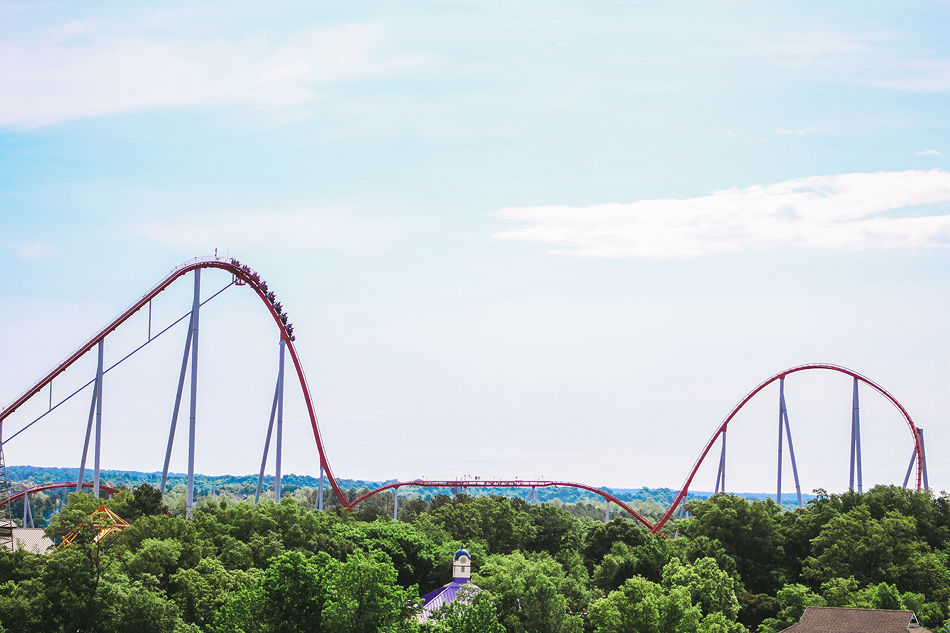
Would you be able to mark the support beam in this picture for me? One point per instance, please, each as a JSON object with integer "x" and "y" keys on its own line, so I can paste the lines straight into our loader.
{"x": 856, "y": 442}
{"x": 320, "y": 489}
{"x": 781, "y": 433}
{"x": 85, "y": 445}
{"x": 270, "y": 429}
{"x": 791, "y": 450}
{"x": 98, "y": 455}
{"x": 923, "y": 450}
{"x": 607, "y": 513}
{"x": 910, "y": 466}
{"x": 177, "y": 408}
{"x": 721, "y": 473}
{"x": 195, "y": 306}
{"x": 395, "y": 504}
{"x": 279, "y": 449}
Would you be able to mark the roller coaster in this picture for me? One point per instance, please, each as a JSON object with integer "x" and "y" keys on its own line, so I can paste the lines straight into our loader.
{"x": 242, "y": 275}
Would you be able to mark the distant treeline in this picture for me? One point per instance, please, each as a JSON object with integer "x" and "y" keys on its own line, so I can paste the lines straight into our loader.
{"x": 650, "y": 502}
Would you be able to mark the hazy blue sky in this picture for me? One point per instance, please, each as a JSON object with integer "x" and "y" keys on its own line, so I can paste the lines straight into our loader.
{"x": 515, "y": 238}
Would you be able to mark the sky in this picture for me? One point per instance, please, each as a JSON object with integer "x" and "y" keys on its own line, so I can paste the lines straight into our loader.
{"x": 516, "y": 239}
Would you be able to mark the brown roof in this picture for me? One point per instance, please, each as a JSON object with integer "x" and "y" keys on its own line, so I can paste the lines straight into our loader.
{"x": 846, "y": 620}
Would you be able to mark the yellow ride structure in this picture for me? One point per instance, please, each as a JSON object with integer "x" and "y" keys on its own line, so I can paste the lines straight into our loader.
{"x": 104, "y": 521}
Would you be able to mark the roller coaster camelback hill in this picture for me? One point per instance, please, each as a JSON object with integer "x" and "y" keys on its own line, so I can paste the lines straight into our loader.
{"x": 242, "y": 276}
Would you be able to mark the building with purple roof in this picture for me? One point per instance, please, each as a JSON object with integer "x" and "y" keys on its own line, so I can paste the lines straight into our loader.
{"x": 461, "y": 574}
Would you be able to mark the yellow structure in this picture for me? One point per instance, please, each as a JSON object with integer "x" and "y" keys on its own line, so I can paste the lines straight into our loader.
{"x": 104, "y": 521}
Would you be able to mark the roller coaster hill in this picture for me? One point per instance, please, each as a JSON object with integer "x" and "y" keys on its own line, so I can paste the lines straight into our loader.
{"x": 243, "y": 277}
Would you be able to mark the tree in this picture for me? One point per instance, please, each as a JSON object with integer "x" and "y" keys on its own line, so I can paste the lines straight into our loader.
{"x": 876, "y": 550}
{"x": 709, "y": 587}
{"x": 531, "y": 594}
{"x": 641, "y": 606}
{"x": 296, "y": 593}
{"x": 749, "y": 532}
{"x": 470, "y": 612}
{"x": 367, "y": 597}
{"x": 792, "y": 601}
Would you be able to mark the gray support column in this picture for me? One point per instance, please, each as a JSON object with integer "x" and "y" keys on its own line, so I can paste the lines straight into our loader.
{"x": 395, "y": 504}
{"x": 910, "y": 466}
{"x": 30, "y": 511}
{"x": 195, "y": 306}
{"x": 320, "y": 489}
{"x": 781, "y": 400}
{"x": 85, "y": 446}
{"x": 181, "y": 386}
{"x": 270, "y": 429}
{"x": 279, "y": 449}
{"x": 26, "y": 507}
{"x": 856, "y": 441}
{"x": 923, "y": 462}
{"x": 95, "y": 472}
{"x": 607, "y": 513}
{"x": 791, "y": 451}
{"x": 721, "y": 473}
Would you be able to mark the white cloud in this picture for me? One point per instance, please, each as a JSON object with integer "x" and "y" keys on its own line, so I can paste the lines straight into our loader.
{"x": 929, "y": 152}
{"x": 847, "y": 212}
{"x": 88, "y": 68}
{"x": 29, "y": 250}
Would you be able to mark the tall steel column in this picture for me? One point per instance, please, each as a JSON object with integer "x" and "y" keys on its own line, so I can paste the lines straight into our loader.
{"x": 791, "y": 447}
{"x": 27, "y": 510}
{"x": 855, "y": 441}
{"x": 923, "y": 462}
{"x": 721, "y": 473}
{"x": 607, "y": 513}
{"x": 270, "y": 430}
{"x": 320, "y": 488}
{"x": 85, "y": 445}
{"x": 395, "y": 504}
{"x": 181, "y": 387}
{"x": 781, "y": 405}
{"x": 280, "y": 420}
{"x": 95, "y": 472}
{"x": 95, "y": 405}
{"x": 195, "y": 306}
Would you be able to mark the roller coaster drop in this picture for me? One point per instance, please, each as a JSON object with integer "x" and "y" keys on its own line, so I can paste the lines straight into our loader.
{"x": 242, "y": 275}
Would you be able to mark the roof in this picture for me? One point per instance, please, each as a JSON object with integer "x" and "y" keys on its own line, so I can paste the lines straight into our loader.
{"x": 847, "y": 620}
{"x": 31, "y": 539}
{"x": 434, "y": 600}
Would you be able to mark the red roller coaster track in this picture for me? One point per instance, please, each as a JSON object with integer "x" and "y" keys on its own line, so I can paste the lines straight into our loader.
{"x": 244, "y": 276}
{"x": 502, "y": 483}
{"x": 51, "y": 486}
{"x": 779, "y": 376}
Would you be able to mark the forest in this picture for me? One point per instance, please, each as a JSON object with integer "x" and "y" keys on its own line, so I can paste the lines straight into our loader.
{"x": 730, "y": 566}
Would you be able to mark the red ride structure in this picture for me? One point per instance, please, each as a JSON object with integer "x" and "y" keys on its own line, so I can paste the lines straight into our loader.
{"x": 917, "y": 457}
{"x": 242, "y": 275}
